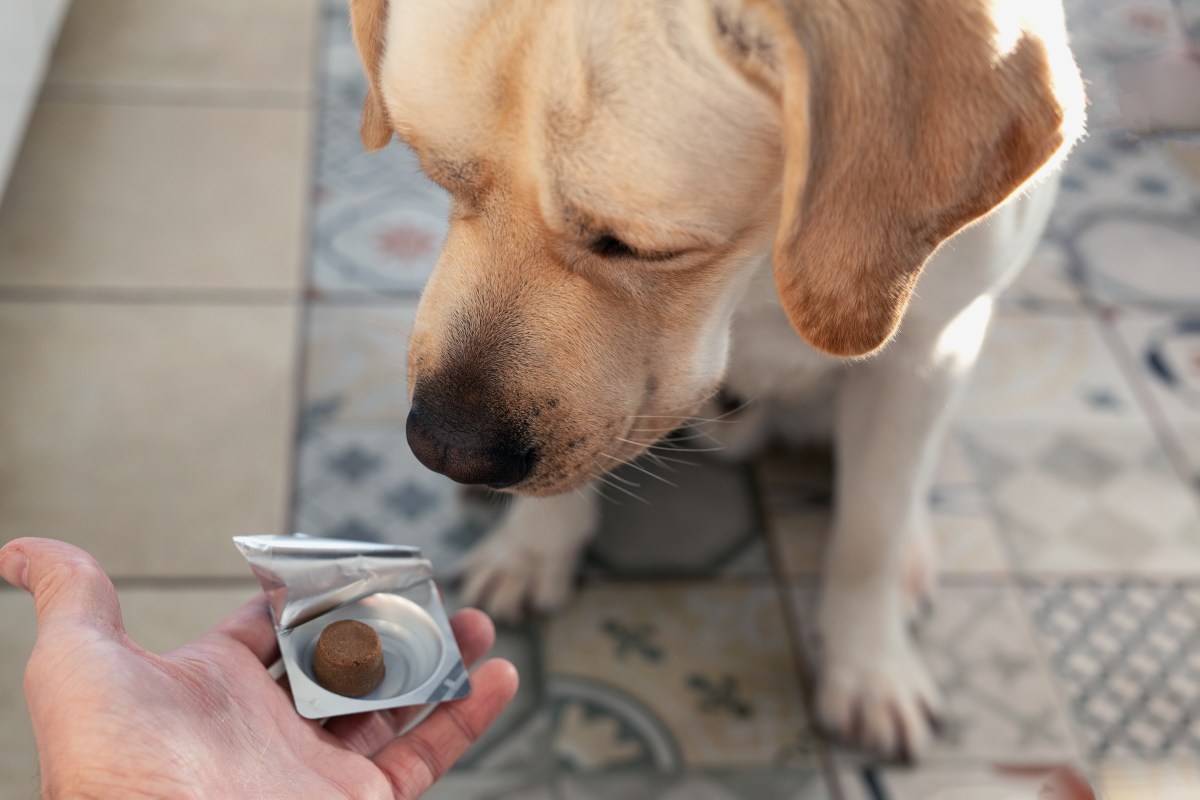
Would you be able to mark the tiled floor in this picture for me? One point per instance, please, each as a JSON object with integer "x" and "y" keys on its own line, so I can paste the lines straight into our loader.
{"x": 205, "y": 290}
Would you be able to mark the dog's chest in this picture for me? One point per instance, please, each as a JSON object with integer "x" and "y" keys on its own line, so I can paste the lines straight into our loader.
{"x": 768, "y": 360}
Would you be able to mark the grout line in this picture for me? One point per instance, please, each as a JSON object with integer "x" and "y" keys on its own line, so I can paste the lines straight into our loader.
{"x": 380, "y": 298}
{"x": 1160, "y": 421}
{"x": 118, "y": 295}
{"x": 782, "y": 581}
{"x": 1060, "y": 692}
{"x": 317, "y": 55}
{"x": 176, "y": 97}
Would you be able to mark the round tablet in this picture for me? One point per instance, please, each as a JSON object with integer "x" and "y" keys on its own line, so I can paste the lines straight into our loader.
{"x": 349, "y": 658}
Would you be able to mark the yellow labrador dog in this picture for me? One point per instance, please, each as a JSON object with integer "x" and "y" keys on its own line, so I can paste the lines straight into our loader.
{"x": 651, "y": 197}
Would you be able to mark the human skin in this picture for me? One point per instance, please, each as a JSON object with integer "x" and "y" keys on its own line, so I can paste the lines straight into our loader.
{"x": 207, "y": 720}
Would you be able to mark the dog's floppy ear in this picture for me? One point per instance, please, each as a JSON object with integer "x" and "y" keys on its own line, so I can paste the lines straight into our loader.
{"x": 368, "y": 19}
{"x": 902, "y": 122}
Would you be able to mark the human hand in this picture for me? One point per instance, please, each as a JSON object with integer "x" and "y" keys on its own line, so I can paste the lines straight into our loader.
{"x": 207, "y": 720}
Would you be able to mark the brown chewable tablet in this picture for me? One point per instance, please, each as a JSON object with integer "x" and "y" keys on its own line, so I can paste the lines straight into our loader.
{"x": 349, "y": 658}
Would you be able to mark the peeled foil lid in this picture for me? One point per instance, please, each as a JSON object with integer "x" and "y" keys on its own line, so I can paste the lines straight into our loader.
{"x": 306, "y": 576}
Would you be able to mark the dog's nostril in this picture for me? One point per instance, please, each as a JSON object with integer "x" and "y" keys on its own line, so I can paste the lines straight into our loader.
{"x": 467, "y": 454}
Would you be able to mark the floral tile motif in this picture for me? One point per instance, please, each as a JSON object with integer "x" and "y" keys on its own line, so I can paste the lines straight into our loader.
{"x": 1001, "y": 705}
{"x": 363, "y": 482}
{"x": 1127, "y": 654}
{"x": 378, "y": 222}
{"x": 1049, "y": 370}
{"x": 797, "y": 491}
{"x": 776, "y": 784}
{"x": 998, "y": 782}
{"x": 1080, "y": 502}
{"x": 671, "y": 676}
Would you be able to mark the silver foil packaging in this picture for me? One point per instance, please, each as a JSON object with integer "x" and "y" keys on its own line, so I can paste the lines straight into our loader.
{"x": 312, "y": 582}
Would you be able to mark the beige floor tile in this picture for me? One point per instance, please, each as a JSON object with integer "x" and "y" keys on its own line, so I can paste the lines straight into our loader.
{"x": 147, "y": 434}
{"x": 205, "y": 44}
{"x": 156, "y": 196}
{"x": 159, "y": 620}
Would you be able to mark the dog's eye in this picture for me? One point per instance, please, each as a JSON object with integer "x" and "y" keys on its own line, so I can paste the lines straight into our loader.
{"x": 608, "y": 246}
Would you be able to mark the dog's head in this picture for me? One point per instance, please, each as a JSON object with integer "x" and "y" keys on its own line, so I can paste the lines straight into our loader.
{"x": 617, "y": 167}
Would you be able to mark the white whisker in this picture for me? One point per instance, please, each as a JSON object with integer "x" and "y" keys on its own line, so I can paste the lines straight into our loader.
{"x": 640, "y": 468}
{"x": 620, "y": 488}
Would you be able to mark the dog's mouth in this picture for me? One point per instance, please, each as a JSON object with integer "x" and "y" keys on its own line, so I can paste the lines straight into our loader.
{"x": 580, "y": 461}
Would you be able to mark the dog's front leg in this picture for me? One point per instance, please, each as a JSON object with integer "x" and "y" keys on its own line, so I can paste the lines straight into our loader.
{"x": 528, "y": 563}
{"x": 873, "y": 688}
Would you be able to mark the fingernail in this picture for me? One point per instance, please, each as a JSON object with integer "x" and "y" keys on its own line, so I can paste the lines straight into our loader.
{"x": 15, "y": 570}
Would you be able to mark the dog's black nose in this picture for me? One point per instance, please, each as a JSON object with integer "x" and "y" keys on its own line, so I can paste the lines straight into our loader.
{"x": 467, "y": 448}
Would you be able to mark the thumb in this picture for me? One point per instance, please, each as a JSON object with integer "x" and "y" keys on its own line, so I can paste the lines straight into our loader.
{"x": 69, "y": 588}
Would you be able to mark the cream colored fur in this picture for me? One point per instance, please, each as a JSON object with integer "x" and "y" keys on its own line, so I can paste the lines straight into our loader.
{"x": 775, "y": 168}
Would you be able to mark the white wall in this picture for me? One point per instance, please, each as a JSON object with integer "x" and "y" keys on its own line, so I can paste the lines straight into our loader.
{"x": 28, "y": 29}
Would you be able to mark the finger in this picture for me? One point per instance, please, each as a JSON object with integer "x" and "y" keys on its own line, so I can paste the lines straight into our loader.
{"x": 70, "y": 590}
{"x": 251, "y": 625}
{"x": 366, "y": 733}
{"x": 474, "y": 632}
{"x": 416, "y": 760}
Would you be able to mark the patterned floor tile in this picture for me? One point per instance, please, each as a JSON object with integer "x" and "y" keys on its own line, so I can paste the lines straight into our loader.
{"x": 780, "y": 784}
{"x": 356, "y": 363}
{"x": 363, "y": 482}
{"x": 674, "y": 675}
{"x": 1128, "y": 656}
{"x": 378, "y": 221}
{"x": 669, "y": 533}
{"x": 1105, "y": 33}
{"x": 520, "y": 739}
{"x": 1047, "y": 281}
{"x": 1049, "y": 370}
{"x": 1078, "y": 502}
{"x": 1134, "y": 257}
{"x": 1165, "y": 351}
{"x": 1001, "y": 705}
{"x": 797, "y": 490}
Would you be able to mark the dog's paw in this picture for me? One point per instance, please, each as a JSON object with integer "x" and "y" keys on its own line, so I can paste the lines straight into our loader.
{"x": 873, "y": 689}
{"x": 527, "y": 565}
{"x": 511, "y": 581}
